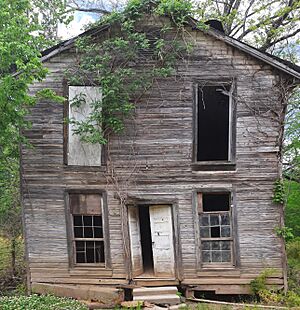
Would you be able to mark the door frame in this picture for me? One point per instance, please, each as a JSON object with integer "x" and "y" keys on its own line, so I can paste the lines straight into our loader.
{"x": 173, "y": 203}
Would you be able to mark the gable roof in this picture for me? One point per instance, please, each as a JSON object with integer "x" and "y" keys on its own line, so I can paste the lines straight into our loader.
{"x": 274, "y": 61}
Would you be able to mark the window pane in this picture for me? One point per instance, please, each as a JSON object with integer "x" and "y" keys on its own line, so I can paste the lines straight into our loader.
{"x": 80, "y": 245}
{"x": 206, "y": 256}
{"x": 225, "y": 231}
{"x": 214, "y": 220}
{"x": 77, "y": 220}
{"x": 226, "y": 256}
{"x": 97, "y": 220}
{"x": 216, "y": 245}
{"x": 225, "y": 245}
{"x": 204, "y": 220}
{"x": 98, "y": 232}
{"x": 215, "y": 232}
{"x": 204, "y": 232}
{"x": 80, "y": 257}
{"x": 90, "y": 252}
{"x": 88, "y": 232}
{"x": 225, "y": 219}
{"x": 206, "y": 245}
{"x": 216, "y": 257}
{"x": 78, "y": 232}
{"x": 100, "y": 257}
{"x": 88, "y": 220}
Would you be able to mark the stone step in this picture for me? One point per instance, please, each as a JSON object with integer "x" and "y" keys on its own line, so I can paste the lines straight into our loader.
{"x": 170, "y": 299}
{"x": 145, "y": 291}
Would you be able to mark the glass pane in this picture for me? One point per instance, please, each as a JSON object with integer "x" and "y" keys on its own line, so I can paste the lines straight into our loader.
{"x": 206, "y": 245}
{"x": 206, "y": 256}
{"x": 214, "y": 220}
{"x": 90, "y": 252}
{"x": 216, "y": 256}
{"x": 215, "y": 232}
{"x": 204, "y": 220}
{"x": 98, "y": 233}
{"x": 204, "y": 232}
{"x": 97, "y": 220}
{"x": 100, "y": 257}
{"x": 216, "y": 245}
{"x": 79, "y": 245}
{"x": 88, "y": 232}
{"x": 87, "y": 220}
{"x": 226, "y": 245}
{"x": 225, "y": 231}
{"x": 80, "y": 257}
{"x": 78, "y": 232}
{"x": 226, "y": 256}
{"x": 225, "y": 220}
{"x": 77, "y": 220}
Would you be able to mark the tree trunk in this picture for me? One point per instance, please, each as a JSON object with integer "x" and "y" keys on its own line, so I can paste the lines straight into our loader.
{"x": 13, "y": 256}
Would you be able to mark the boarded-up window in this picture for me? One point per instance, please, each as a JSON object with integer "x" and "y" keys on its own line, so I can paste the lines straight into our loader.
{"x": 215, "y": 223}
{"x": 81, "y": 100}
{"x": 88, "y": 233}
{"x": 213, "y": 123}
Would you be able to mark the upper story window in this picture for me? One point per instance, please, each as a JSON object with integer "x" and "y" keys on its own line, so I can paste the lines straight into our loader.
{"x": 213, "y": 138}
{"x": 81, "y": 100}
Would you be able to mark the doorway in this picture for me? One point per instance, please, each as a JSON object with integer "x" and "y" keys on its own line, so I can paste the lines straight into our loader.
{"x": 151, "y": 240}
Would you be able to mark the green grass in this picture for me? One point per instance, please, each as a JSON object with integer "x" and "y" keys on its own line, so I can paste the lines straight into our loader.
{"x": 43, "y": 302}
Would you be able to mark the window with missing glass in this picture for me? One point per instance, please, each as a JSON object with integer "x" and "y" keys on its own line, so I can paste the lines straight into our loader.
{"x": 215, "y": 223}
{"x": 87, "y": 228}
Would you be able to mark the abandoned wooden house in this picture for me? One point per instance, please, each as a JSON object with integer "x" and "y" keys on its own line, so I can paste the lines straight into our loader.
{"x": 195, "y": 170}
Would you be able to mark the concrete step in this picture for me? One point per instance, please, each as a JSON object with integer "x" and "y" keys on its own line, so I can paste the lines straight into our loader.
{"x": 170, "y": 299}
{"x": 145, "y": 291}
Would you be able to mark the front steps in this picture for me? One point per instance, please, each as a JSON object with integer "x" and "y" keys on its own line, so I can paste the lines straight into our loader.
{"x": 157, "y": 295}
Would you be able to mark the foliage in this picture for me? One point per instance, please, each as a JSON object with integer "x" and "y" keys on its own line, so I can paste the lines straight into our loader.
{"x": 114, "y": 68}
{"x": 293, "y": 254}
{"x": 272, "y": 297}
{"x": 259, "y": 284}
{"x": 285, "y": 232}
{"x": 292, "y": 214}
{"x": 265, "y": 24}
{"x": 278, "y": 191}
{"x": 10, "y": 283}
{"x": 44, "y": 302}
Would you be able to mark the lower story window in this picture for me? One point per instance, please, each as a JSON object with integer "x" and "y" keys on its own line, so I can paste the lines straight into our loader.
{"x": 87, "y": 228}
{"x": 215, "y": 222}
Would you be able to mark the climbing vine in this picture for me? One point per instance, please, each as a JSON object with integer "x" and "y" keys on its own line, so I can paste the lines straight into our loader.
{"x": 125, "y": 63}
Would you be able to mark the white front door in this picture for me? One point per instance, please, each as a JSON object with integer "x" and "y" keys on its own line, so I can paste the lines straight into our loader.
{"x": 162, "y": 240}
{"x": 135, "y": 241}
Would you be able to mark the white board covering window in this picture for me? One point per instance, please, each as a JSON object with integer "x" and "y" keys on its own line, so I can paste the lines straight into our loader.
{"x": 81, "y": 153}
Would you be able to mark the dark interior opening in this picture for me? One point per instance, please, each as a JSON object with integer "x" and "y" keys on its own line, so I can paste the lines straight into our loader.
{"x": 213, "y": 123}
{"x": 216, "y": 202}
{"x": 146, "y": 239}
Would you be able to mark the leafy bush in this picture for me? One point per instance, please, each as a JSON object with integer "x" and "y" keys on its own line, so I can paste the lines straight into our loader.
{"x": 44, "y": 302}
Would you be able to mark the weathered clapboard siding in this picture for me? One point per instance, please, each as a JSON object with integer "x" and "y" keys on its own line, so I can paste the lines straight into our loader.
{"x": 161, "y": 134}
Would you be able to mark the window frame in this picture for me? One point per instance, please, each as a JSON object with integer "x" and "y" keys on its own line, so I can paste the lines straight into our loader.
{"x": 103, "y": 155}
{"x": 70, "y": 230}
{"x": 235, "y": 256}
{"x": 215, "y": 165}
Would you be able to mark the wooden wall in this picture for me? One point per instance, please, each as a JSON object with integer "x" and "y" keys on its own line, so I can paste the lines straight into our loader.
{"x": 161, "y": 135}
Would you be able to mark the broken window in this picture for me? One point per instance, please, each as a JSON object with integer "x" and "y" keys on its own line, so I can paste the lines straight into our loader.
{"x": 87, "y": 220}
{"x": 215, "y": 223}
{"x": 213, "y": 133}
{"x": 81, "y": 101}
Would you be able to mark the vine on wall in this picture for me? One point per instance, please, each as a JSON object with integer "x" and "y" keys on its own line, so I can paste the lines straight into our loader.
{"x": 125, "y": 63}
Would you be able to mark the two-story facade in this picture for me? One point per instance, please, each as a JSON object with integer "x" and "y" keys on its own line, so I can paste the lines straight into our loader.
{"x": 182, "y": 197}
